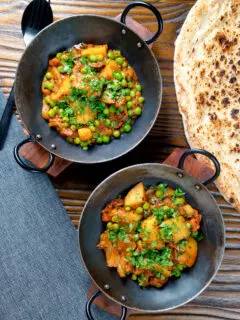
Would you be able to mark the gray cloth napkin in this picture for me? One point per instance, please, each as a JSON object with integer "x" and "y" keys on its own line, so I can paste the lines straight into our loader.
{"x": 41, "y": 273}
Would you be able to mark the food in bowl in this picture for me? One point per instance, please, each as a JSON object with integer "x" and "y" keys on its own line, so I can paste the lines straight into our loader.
{"x": 91, "y": 95}
{"x": 151, "y": 234}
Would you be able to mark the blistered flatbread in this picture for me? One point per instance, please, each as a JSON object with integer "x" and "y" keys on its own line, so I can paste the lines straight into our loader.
{"x": 207, "y": 80}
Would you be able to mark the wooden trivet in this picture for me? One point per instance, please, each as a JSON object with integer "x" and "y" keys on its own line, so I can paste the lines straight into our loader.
{"x": 197, "y": 169}
{"x": 37, "y": 155}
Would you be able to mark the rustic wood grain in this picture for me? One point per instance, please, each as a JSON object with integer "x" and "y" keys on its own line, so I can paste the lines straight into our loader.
{"x": 222, "y": 299}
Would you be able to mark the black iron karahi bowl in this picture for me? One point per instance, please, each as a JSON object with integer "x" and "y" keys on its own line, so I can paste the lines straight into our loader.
{"x": 64, "y": 34}
{"x": 177, "y": 291}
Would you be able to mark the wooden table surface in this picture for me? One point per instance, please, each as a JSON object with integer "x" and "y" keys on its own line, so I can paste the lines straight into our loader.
{"x": 222, "y": 299}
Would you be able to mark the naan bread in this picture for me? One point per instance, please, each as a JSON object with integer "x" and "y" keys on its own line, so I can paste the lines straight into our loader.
{"x": 207, "y": 79}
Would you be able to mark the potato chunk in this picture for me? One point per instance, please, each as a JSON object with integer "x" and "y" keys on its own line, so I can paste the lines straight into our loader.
{"x": 188, "y": 258}
{"x": 64, "y": 90}
{"x": 86, "y": 116}
{"x": 95, "y": 50}
{"x": 179, "y": 228}
{"x": 108, "y": 70}
{"x": 45, "y": 110}
{"x": 135, "y": 196}
{"x": 150, "y": 233}
{"x": 85, "y": 134}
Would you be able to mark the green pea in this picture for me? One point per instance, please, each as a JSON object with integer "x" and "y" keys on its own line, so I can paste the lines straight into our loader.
{"x": 77, "y": 141}
{"x": 93, "y": 58}
{"x": 138, "y": 87}
{"x": 118, "y": 76}
{"x": 115, "y": 226}
{"x": 107, "y": 61}
{"x": 65, "y": 124}
{"x": 47, "y": 100}
{"x": 73, "y": 127}
{"x": 138, "y": 111}
{"x": 100, "y": 57}
{"x": 72, "y": 77}
{"x": 92, "y": 128}
{"x": 141, "y": 99}
{"x": 130, "y": 85}
{"x": 124, "y": 75}
{"x": 139, "y": 210}
{"x": 109, "y": 225}
{"x": 124, "y": 83}
{"x": 132, "y": 93}
{"x": 106, "y": 139}
{"x": 107, "y": 122}
{"x": 127, "y": 128}
{"x": 99, "y": 140}
{"x": 128, "y": 98}
{"x": 119, "y": 60}
{"x": 116, "y": 133}
{"x": 59, "y": 55}
{"x": 48, "y": 75}
{"x": 65, "y": 119}
{"x": 130, "y": 113}
{"x": 97, "y": 123}
{"x": 179, "y": 201}
{"x": 111, "y": 55}
{"x": 124, "y": 64}
{"x": 129, "y": 104}
{"x": 134, "y": 277}
{"x": 52, "y": 104}
{"x": 127, "y": 91}
{"x": 112, "y": 109}
{"x": 136, "y": 237}
{"x": 48, "y": 85}
{"x": 51, "y": 113}
{"x": 60, "y": 69}
{"x": 84, "y": 71}
{"x": 121, "y": 108}
{"x": 146, "y": 206}
{"x": 85, "y": 148}
{"x": 159, "y": 194}
{"x": 106, "y": 112}
{"x": 65, "y": 57}
{"x": 127, "y": 208}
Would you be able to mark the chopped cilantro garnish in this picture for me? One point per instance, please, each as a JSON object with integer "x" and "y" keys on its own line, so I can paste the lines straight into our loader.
{"x": 67, "y": 66}
{"x": 178, "y": 193}
{"x": 199, "y": 237}
{"x": 176, "y": 273}
{"x": 183, "y": 244}
{"x": 166, "y": 231}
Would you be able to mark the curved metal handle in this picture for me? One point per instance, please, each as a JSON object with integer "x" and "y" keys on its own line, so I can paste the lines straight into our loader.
{"x": 150, "y": 7}
{"x": 26, "y": 166}
{"x": 90, "y": 301}
{"x": 208, "y": 155}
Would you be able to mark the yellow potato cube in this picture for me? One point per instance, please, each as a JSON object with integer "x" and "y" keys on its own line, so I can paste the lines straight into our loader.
{"x": 188, "y": 258}
{"x": 135, "y": 196}
{"x": 95, "y": 50}
{"x": 85, "y": 134}
{"x": 180, "y": 229}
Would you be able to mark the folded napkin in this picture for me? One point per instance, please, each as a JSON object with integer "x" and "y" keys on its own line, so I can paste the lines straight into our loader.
{"x": 41, "y": 273}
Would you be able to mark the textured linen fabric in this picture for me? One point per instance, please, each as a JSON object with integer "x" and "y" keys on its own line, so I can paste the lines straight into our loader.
{"x": 41, "y": 273}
